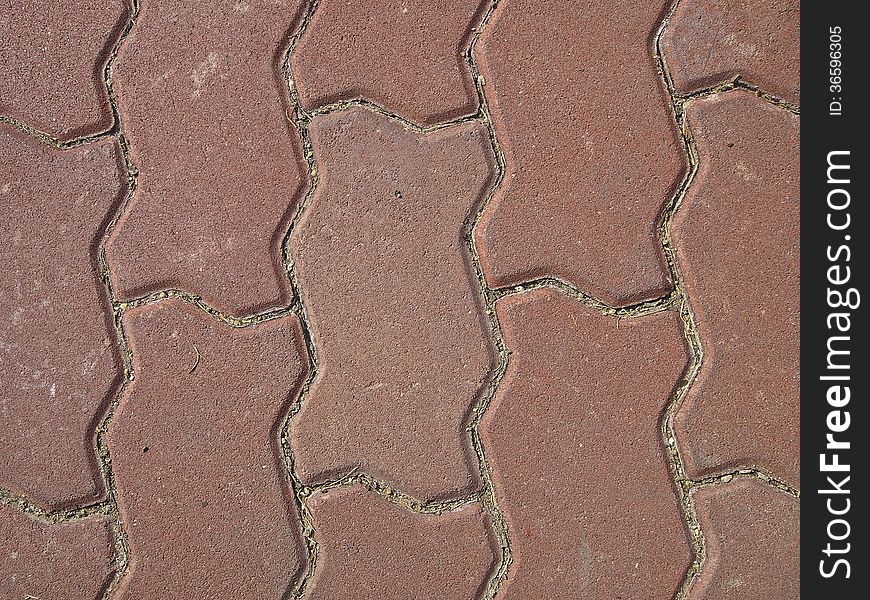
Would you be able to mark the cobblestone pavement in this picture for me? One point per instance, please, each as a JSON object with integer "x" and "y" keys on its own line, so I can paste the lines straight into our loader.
{"x": 444, "y": 300}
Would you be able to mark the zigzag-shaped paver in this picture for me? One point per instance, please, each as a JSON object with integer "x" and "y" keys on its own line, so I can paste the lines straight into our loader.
{"x": 573, "y": 434}
{"x": 219, "y": 166}
{"x": 404, "y": 55}
{"x": 385, "y": 229}
{"x": 197, "y": 457}
{"x": 58, "y": 360}
{"x": 590, "y": 148}
{"x": 737, "y": 243}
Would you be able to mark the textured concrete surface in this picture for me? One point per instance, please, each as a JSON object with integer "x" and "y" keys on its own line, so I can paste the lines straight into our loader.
{"x": 459, "y": 299}
{"x": 588, "y": 173}
{"x": 417, "y": 556}
{"x": 404, "y": 55}
{"x": 219, "y": 167}
{"x": 70, "y": 561}
{"x": 52, "y": 58}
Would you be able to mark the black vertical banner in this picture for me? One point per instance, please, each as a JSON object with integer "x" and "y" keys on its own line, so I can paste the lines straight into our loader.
{"x": 834, "y": 266}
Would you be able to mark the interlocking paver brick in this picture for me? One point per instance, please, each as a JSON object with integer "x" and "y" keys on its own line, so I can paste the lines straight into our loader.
{"x": 371, "y": 548}
{"x": 737, "y": 243}
{"x": 218, "y": 161}
{"x": 52, "y": 58}
{"x": 62, "y": 561}
{"x": 57, "y": 350}
{"x": 710, "y": 41}
{"x": 591, "y": 149}
{"x": 577, "y": 456}
{"x": 197, "y": 458}
{"x": 753, "y": 541}
{"x": 402, "y": 362}
{"x": 405, "y": 55}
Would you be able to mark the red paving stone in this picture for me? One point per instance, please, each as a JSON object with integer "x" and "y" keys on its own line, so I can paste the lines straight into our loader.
{"x": 737, "y": 243}
{"x": 587, "y": 173}
{"x": 405, "y": 55}
{"x": 572, "y": 434}
{"x": 53, "y": 57}
{"x": 390, "y": 322}
{"x": 412, "y": 347}
{"x": 63, "y": 561}
{"x": 418, "y": 556}
{"x": 57, "y": 349}
{"x": 197, "y": 458}
{"x": 218, "y": 161}
{"x": 753, "y": 534}
{"x": 710, "y": 41}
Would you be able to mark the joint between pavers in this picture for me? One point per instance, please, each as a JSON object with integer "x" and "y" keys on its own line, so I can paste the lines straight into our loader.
{"x": 745, "y": 473}
{"x": 299, "y": 119}
{"x": 197, "y": 302}
{"x": 738, "y": 83}
{"x": 343, "y": 105}
{"x": 391, "y": 494}
{"x": 638, "y": 309}
{"x": 119, "y": 534}
{"x": 685, "y": 486}
{"x": 23, "y": 504}
{"x": 53, "y": 142}
{"x": 489, "y": 500}
{"x": 674, "y": 459}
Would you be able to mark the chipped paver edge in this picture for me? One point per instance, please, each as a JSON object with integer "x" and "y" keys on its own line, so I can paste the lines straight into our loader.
{"x": 683, "y": 485}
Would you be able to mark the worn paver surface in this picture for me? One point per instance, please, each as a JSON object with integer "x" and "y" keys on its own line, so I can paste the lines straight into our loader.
{"x": 400, "y": 299}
